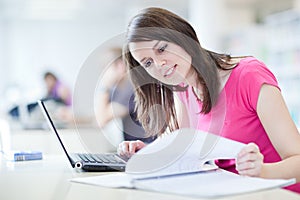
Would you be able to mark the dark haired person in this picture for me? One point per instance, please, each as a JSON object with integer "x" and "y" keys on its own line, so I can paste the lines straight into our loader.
{"x": 56, "y": 90}
{"x": 234, "y": 97}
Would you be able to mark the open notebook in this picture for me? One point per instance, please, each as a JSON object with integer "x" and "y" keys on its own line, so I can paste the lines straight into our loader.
{"x": 179, "y": 163}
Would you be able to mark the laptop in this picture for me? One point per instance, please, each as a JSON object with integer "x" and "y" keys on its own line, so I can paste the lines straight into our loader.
{"x": 87, "y": 161}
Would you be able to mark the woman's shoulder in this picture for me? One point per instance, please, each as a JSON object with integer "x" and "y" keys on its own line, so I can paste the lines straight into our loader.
{"x": 249, "y": 65}
{"x": 250, "y": 70}
{"x": 251, "y": 61}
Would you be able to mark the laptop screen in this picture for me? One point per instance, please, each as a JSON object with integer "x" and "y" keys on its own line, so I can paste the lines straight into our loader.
{"x": 50, "y": 121}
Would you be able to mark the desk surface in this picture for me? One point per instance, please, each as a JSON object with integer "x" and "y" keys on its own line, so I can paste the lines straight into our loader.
{"x": 50, "y": 179}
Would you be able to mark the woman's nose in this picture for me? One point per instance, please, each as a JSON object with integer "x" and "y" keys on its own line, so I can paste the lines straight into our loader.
{"x": 161, "y": 63}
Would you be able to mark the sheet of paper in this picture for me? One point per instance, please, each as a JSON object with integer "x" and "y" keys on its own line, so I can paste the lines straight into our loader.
{"x": 217, "y": 183}
{"x": 183, "y": 151}
{"x": 114, "y": 180}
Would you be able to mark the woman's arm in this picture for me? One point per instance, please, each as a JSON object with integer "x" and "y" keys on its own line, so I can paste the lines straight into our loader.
{"x": 107, "y": 110}
{"x": 283, "y": 133}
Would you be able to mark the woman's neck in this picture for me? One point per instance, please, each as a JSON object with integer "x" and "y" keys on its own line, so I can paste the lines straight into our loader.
{"x": 197, "y": 88}
{"x": 223, "y": 77}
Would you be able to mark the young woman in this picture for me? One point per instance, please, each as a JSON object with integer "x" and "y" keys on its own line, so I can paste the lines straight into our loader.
{"x": 235, "y": 97}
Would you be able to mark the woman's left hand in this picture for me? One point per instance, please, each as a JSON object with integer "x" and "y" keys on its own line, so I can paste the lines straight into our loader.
{"x": 249, "y": 161}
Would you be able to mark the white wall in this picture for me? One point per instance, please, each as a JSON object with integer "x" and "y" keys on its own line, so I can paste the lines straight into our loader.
{"x": 215, "y": 18}
{"x": 4, "y": 62}
{"x": 2, "y": 52}
{"x": 57, "y": 35}
{"x": 33, "y": 46}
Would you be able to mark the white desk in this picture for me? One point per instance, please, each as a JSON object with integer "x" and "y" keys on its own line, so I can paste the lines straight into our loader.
{"x": 50, "y": 179}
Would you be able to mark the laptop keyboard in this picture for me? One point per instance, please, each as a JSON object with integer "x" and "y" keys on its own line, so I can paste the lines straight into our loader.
{"x": 100, "y": 158}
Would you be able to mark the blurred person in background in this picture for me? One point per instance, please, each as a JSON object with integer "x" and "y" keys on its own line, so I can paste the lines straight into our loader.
{"x": 115, "y": 100}
{"x": 57, "y": 94}
{"x": 56, "y": 90}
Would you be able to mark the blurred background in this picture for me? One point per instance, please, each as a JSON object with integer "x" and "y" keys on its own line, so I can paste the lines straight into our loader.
{"x": 58, "y": 35}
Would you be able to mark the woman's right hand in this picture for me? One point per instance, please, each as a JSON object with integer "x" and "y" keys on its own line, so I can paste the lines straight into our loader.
{"x": 128, "y": 148}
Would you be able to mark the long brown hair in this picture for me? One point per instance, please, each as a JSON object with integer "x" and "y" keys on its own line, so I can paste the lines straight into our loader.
{"x": 154, "y": 100}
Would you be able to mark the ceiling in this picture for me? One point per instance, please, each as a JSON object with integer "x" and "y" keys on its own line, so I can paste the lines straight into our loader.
{"x": 117, "y": 9}
{"x": 80, "y": 9}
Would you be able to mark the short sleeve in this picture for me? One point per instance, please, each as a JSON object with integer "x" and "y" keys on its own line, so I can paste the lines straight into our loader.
{"x": 253, "y": 75}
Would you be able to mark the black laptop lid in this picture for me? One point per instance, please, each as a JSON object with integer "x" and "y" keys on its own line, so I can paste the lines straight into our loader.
{"x": 52, "y": 126}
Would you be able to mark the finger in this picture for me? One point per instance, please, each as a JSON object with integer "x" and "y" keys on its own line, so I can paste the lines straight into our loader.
{"x": 119, "y": 149}
{"x": 132, "y": 147}
{"x": 249, "y": 172}
{"x": 138, "y": 145}
{"x": 120, "y": 152}
{"x": 249, "y": 168}
{"x": 124, "y": 148}
{"x": 245, "y": 166}
{"x": 251, "y": 147}
{"x": 247, "y": 157}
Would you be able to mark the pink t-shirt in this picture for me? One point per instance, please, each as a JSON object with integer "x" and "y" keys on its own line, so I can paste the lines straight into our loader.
{"x": 234, "y": 116}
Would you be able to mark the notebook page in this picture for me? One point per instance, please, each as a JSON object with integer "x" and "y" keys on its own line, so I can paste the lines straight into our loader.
{"x": 210, "y": 184}
{"x": 181, "y": 152}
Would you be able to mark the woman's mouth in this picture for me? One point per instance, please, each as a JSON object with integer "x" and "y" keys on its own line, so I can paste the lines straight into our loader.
{"x": 169, "y": 72}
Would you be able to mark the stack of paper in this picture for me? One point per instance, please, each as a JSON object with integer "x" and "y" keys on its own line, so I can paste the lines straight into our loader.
{"x": 179, "y": 164}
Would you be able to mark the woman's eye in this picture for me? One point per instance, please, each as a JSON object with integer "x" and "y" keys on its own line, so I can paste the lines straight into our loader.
{"x": 148, "y": 63}
{"x": 163, "y": 48}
